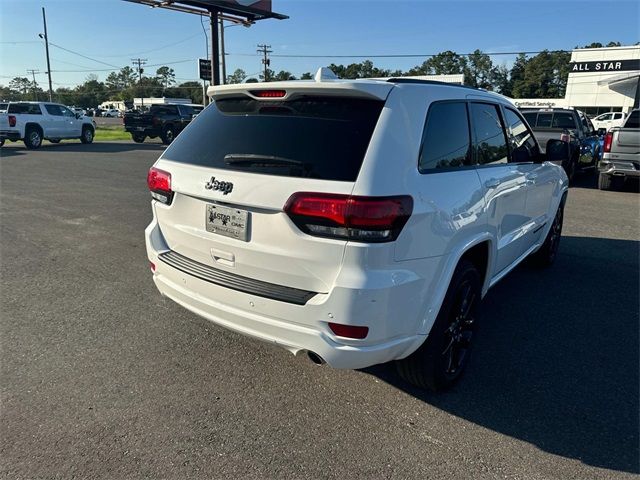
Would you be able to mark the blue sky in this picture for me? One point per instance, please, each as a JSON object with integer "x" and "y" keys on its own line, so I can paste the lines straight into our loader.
{"x": 111, "y": 32}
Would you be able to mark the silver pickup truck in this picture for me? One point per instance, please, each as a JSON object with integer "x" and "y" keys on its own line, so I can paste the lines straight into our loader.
{"x": 621, "y": 154}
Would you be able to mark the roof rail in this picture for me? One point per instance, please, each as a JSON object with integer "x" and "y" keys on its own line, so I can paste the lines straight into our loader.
{"x": 431, "y": 82}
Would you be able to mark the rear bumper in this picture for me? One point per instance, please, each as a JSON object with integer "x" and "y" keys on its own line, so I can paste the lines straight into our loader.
{"x": 9, "y": 135}
{"x": 142, "y": 129}
{"x": 619, "y": 168}
{"x": 297, "y": 327}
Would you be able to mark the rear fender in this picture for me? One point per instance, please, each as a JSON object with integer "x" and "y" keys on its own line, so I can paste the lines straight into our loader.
{"x": 450, "y": 263}
{"x": 32, "y": 125}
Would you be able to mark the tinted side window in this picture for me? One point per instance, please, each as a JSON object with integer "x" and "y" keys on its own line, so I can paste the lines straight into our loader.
{"x": 634, "y": 120}
{"x": 523, "y": 145}
{"x": 28, "y": 108}
{"x": 531, "y": 118}
{"x": 164, "y": 110}
{"x": 489, "y": 140}
{"x": 563, "y": 120}
{"x": 185, "y": 110}
{"x": 66, "y": 112}
{"x": 53, "y": 110}
{"x": 445, "y": 141}
{"x": 544, "y": 120}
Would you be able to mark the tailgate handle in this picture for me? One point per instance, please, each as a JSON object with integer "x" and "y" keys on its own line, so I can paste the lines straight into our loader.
{"x": 223, "y": 258}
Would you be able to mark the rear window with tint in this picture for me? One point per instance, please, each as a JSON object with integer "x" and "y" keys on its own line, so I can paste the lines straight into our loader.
{"x": 563, "y": 120}
{"x": 530, "y": 117}
{"x": 163, "y": 110}
{"x": 544, "y": 120}
{"x": 634, "y": 120}
{"x": 30, "y": 108}
{"x": 309, "y": 136}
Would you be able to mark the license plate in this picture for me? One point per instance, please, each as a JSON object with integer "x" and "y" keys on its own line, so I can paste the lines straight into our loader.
{"x": 226, "y": 221}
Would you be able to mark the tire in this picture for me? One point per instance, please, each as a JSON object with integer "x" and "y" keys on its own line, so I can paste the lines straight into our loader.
{"x": 138, "y": 137}
{"x": 87, "y": 135}
{"x": 54, "y": 140}
{"x": 168, "y": 135}
{"x": 441, "y": 360}
{"x": 33, "y": 137}
{"x": 547, "y": 253}
{"x": 609, "y": 182}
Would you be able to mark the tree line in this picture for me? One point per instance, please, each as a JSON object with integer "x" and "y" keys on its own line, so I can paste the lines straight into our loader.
{"x": 543, "y": 75}
{"x": 124, "y": 85}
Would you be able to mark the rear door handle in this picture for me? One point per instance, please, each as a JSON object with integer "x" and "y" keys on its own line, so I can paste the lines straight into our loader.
{"x": 492, "y": 183}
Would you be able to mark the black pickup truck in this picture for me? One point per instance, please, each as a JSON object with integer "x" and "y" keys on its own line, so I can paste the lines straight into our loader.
{"x": 572, "y": 126}
{"x": 165, "y": 121}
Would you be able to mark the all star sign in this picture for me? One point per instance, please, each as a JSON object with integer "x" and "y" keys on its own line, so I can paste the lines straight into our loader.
{"x": 605, "y": 66}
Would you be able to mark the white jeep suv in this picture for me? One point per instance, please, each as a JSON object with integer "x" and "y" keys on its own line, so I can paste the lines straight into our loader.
{"x": 359, "y": 221}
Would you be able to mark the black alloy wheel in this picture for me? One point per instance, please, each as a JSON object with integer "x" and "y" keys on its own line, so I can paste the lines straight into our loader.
{"x": 547, "y": 253}
{"x": 441, "y": 360}
{"x": 457, "y": 338}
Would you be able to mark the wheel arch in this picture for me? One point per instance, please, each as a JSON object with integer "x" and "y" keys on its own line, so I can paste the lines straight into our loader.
{"x": 36, "y": 125}
{"x": 481, "y": 251}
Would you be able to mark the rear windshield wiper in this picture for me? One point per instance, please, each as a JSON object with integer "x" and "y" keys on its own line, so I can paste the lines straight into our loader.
{"x": 259, "y": 160}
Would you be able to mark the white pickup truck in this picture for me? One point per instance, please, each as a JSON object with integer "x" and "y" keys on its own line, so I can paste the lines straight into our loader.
{"x": 33, "y": 122}
{"x": 621, "y": 157}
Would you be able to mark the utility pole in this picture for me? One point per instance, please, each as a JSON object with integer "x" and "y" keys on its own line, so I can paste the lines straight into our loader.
{"x": 46, "y": 43}
{"x": 215, "y": 50}
{"x": 264, "y": 49}
{"x": 33, "y": 74}
{"x": 222, "y": 56}
{"x": 139, "y": 62}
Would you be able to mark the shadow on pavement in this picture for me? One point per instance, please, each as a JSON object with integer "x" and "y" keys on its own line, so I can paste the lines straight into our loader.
{"x": 556, "y": 358}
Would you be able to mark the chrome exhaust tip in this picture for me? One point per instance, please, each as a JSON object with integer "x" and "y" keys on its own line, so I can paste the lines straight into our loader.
{"x": 315, "y": 358}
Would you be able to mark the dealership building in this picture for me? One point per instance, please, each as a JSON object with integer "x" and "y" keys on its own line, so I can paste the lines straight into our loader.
{"x": 600, "y": 80}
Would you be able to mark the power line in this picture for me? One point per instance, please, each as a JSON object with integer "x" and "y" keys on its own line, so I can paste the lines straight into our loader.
{"x": 83, "y": 56}
{"x": 153, "y": 49}
{"x": 119, "y": 68}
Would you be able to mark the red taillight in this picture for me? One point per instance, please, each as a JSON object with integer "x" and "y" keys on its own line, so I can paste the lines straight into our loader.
{"x": 12, "y": 120}
{"x": 159, "y": 183}
{"x": 608, "y": 140}
{"x": 363, "y": 219}
{"x": 152, "y": 266}
{"x": 349, "y": 331}
{"x": 268, "y": 93}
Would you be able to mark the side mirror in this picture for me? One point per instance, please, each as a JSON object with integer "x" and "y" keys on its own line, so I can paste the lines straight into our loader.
{"x": 557, "y": 150}
{"x": 78, "y": 115}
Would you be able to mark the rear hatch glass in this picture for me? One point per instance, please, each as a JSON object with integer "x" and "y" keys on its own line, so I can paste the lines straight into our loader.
{"x": 311, "y": 136}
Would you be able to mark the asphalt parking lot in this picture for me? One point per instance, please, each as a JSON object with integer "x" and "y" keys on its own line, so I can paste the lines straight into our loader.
{"x": 103, "y": 378}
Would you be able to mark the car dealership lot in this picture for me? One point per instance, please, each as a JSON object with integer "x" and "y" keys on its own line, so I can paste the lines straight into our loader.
{"x": 102, "y": 377}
